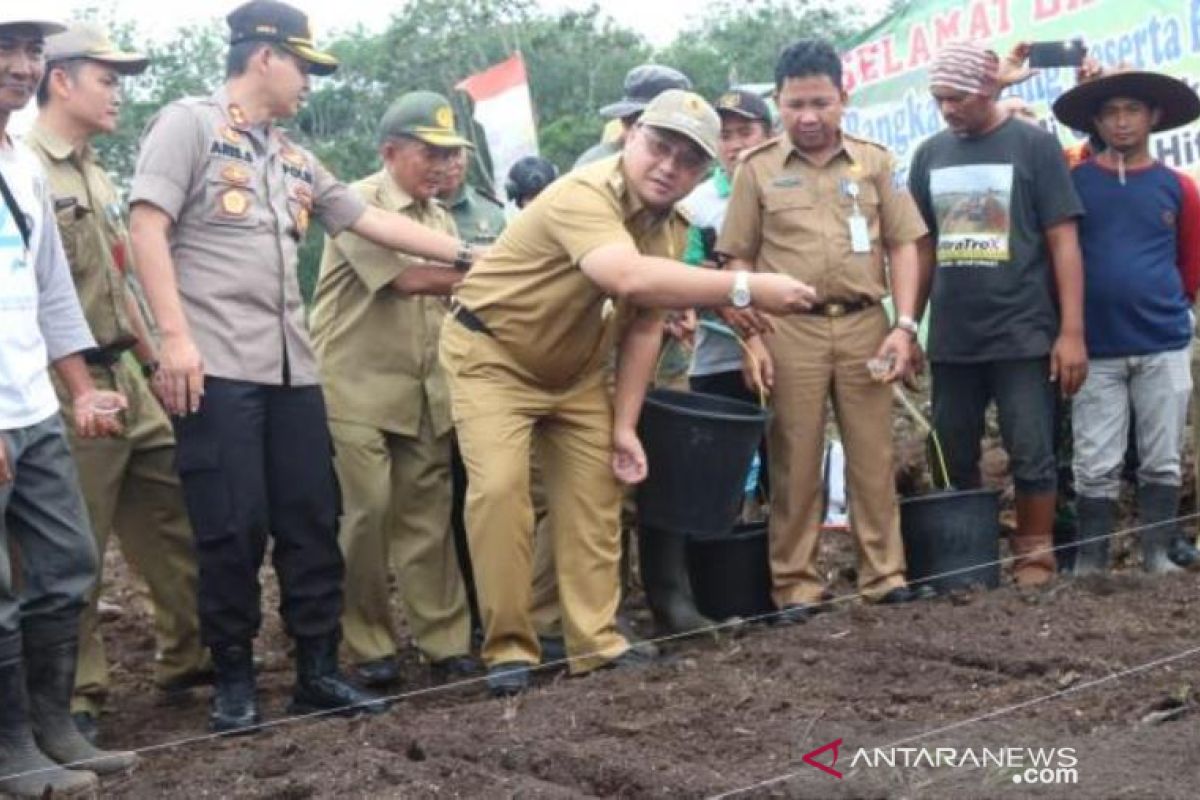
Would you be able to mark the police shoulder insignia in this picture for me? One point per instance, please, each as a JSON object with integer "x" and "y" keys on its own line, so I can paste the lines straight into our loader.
{"x": 236, "y": 115}
{"x": 233, "y": 203}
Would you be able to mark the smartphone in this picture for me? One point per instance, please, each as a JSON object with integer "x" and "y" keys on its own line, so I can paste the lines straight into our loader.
{"x": 1057, "y": 54}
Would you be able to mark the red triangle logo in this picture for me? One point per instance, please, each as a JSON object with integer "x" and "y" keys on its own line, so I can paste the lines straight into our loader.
{"x": 811, "y": 758}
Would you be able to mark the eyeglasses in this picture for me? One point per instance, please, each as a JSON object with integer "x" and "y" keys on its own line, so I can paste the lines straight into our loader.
{"x": 686, "y": 156}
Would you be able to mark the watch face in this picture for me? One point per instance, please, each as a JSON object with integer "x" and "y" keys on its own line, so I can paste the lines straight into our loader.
{"x": 740, "y": 297}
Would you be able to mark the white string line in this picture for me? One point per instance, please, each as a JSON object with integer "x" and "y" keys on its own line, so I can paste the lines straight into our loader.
{"x": 1158, "y": 662}
{"x": 735, "y": 623}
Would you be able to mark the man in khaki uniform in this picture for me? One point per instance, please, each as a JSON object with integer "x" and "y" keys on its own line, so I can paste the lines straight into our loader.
{"x": 525, "y": 350}
{"x": 129, "y": 481}
{"x": 375, "y": 323}
{"x": 221, "y": 202}
{"x": 823, "y": 206}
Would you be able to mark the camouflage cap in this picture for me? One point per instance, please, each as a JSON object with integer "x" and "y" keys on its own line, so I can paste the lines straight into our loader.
{"x": 86, "y": 40}
{"x": 427, "y": 116}
{"x": 688, "y": 114}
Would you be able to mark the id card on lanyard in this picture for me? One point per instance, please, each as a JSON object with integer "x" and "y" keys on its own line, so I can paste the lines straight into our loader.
{"x": 860, "y": 233}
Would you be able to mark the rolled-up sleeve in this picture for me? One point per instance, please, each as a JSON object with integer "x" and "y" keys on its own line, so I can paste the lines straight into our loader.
{"x": 60, "y": 316}
{"x": 171, "y": 146}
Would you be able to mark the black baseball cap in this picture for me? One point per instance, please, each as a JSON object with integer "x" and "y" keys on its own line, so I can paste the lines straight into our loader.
{"x": 744, "y": 104}
{"x": 643, "y": 84}
{"x": 529, "y": 176}
{"x": 281, "y": 24}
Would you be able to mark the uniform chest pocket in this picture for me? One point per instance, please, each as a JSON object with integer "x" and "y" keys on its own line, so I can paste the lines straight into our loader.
{"x": 231, "y": 195}
{"x": 74, "y": 224}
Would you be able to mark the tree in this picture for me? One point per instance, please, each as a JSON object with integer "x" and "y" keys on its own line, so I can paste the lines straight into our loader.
{"x": 738, "y": 42}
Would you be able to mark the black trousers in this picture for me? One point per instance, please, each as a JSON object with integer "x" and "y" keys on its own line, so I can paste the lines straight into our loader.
{"x": 732, "y": 385}
{"x": 257, "y": 461}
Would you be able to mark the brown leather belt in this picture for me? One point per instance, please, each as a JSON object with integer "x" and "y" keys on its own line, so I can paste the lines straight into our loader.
{"x": 468, "y": 320}
{"x": 835, "y": 309}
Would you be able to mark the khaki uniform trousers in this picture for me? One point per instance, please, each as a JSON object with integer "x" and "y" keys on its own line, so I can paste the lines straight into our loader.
{"x": 815, "y": 357}
{"x": 500, "y": 413}
{"x": 396, "y": 499}
{"x": 130, "y": 485}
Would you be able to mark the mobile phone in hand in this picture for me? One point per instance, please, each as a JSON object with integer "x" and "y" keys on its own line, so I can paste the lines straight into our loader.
{"x": 1057, "y": 54}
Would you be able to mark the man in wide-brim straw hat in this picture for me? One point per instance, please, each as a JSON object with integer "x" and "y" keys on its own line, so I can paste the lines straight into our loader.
{"x": 1141, "y": 250}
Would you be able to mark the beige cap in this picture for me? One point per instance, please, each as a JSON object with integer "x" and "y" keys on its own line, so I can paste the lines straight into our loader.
{"x": 11, "y": 17}
{"x": 86, "y": 40}
{"x": 685, "y": 113}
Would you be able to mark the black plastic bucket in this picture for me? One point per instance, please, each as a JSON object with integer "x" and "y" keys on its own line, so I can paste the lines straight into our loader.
{"x": 731, "y": 575}
{"x": 952, "y": 532}
{"x": 698, "y": 449}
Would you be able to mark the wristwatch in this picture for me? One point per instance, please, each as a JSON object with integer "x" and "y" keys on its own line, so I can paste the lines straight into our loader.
{"x": 739, "y": 295}
{"x": 464, "y": 258}
{"x": 908, "y": 325}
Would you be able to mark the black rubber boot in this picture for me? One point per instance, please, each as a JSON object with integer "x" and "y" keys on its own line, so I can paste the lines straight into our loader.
{"x": 1182, "y": 551}
{"x": 662, "y": 556}
{"x": 50, "y": 680}
{"x": 319, "y": 685}
{"x": 1096, "y": 517}
{"x": 1158, "y": 507}
{"x": 29, "y": 772}
{"x": 234, "y": 704}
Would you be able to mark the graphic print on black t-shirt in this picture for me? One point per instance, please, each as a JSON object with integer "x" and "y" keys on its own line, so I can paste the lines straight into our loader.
{"x": 972, "y": 204}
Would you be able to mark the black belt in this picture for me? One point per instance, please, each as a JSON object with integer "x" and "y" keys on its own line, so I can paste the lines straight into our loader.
{"x": 832, "y": 309}
{"x": 109, "y": 354}
{"x": 468, "y": 320}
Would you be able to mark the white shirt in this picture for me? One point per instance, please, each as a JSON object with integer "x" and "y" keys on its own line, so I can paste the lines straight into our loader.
{"x": 40, "y": 316}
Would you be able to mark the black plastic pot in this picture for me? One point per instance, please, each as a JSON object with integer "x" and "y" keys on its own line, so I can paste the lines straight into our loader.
{"x": 731, "y": 575}
{"x": 952, "y": 532}
{"x": 698, "y": 449}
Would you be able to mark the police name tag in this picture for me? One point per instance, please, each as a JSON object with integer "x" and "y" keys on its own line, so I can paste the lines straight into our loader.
{"x": 860, "y": 235}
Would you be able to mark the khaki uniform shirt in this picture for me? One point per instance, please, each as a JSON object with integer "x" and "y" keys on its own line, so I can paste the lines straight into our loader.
{"x": 377, "y": 347}
{"x": 480, "y": 218}
{"x": 94, "y": 235}
{"x": 241, "y": 198}
{"x": 787, "y": 215}
{"x": 529, "y": 289}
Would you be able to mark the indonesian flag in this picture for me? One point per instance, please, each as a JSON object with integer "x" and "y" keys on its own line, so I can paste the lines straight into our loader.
{"x": 504, "y": 109}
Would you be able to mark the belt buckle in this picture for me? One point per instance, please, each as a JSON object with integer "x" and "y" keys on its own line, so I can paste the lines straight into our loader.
{"x": 835, "y": 309}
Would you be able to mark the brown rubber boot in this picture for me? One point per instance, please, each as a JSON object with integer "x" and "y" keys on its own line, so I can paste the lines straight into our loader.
{"x": 1033, "y": 540}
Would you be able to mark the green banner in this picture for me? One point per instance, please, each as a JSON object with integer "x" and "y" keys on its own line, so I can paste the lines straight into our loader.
{"x": 886, "y": 68}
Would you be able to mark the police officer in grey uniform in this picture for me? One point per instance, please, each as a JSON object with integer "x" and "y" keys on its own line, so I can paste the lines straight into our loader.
{"x": 220, "y": 203}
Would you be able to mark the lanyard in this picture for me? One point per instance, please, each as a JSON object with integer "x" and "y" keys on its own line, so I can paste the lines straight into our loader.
{"x": 19, "y": 216}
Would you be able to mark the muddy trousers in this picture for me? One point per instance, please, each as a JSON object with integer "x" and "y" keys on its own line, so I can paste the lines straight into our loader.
{"x": 131, "y": 488}
{"x": 501, "y": 414}
{"x": 817, "y": 358}
{"x": 257, "y": 461}
{"x": 396, "y": 497}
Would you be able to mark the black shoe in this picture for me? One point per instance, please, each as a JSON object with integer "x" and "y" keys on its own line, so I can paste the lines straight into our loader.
{"x": 796, "y": 613}
{"x": 85, "y": 722}
{"x": 455, "y": 668}
{"x": 631, "y": 659}
{"x": 234, "y": 705}
{"x": 1183, "y": 553}
{"x": 319, "y": 685}
{"x": 554, "y": 649}
{"x": 906, "y": 594}
{"x": 508, "y": 678}
{"x": 378, "y": 672}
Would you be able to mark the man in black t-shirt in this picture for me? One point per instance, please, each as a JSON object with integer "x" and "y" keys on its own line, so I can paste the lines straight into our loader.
{"x": 1007, "y": 292}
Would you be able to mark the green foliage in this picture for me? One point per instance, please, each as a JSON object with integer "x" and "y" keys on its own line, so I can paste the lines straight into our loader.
{"x": 577, "y": 60}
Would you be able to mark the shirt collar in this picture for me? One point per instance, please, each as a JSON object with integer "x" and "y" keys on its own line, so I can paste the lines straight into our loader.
{"x": 396, "y": 198}
{"x": 53, "y": 145}
{"x": 845, "y": 149}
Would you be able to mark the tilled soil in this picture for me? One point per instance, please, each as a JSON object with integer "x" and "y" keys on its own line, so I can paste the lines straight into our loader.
{"x": 728, "y": 711}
